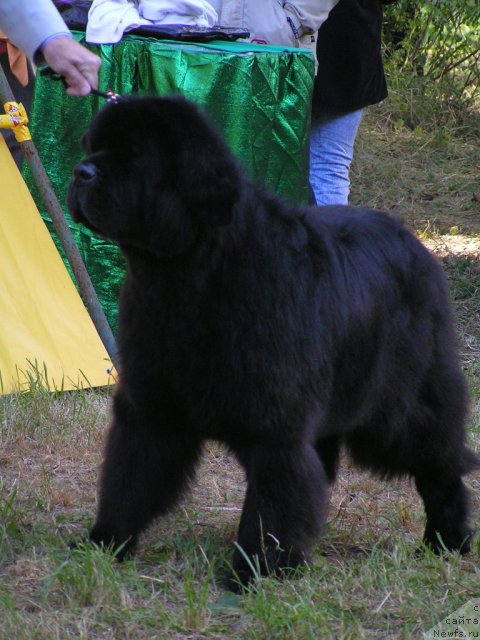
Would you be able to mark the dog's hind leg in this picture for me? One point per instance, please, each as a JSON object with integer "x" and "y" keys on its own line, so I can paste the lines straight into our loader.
{"x": 446, "y": 503}
{"x": 440, "y": 457}
{"x": 143, "y": 475}
{"x": 433, "y": 453}
{"x": 283, "y": 510}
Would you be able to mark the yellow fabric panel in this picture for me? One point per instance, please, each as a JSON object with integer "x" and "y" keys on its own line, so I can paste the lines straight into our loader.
{"x": 46, "y": 334}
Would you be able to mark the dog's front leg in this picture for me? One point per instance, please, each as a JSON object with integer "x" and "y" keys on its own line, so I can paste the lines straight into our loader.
{"x": 283, "y": 511}
{"x": 143, "y": 475}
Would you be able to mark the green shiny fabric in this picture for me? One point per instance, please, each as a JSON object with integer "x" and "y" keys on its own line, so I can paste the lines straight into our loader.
{"x": 258, "y": 95}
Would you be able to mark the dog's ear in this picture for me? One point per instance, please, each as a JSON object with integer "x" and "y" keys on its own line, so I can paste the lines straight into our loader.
{"x": 203, "y": 195}
{"x": 195, "y": 160}
{"x": 215, "y": 185}
{"x": 219, "y": 198}
{"x": 193, "y": 191}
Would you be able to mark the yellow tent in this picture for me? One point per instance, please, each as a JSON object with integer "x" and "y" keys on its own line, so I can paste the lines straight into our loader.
{"x": 46, "y": 334}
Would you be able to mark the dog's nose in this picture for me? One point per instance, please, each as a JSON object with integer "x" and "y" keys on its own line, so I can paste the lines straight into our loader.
{"x": 85, "y": 171}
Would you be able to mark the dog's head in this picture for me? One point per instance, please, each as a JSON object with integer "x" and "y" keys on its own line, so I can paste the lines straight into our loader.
{"x": 156, "y": 172}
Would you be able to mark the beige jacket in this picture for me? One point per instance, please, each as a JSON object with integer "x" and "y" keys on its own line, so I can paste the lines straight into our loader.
{"x": 277, "y": 22}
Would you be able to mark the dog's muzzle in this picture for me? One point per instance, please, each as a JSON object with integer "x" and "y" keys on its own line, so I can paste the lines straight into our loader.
{"x": 81, "y": 185}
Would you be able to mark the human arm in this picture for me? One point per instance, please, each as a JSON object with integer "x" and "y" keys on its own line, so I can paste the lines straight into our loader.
{"x": 38, "y": 29}
{"x": 75, "y": 63}
{"x": 29, "y": 24}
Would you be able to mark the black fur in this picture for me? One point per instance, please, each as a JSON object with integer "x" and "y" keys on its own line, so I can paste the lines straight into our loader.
{"x": 284, "y": 332}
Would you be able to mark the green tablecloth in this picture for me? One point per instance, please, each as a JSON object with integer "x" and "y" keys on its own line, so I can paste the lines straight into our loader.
{"x": 258, "y": 95}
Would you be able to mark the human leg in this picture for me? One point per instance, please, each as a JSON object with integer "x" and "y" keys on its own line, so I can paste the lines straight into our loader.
{"x": 332, "y": 139}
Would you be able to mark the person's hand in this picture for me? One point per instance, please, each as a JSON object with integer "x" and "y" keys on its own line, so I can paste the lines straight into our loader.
{"x": 75, "y": 63}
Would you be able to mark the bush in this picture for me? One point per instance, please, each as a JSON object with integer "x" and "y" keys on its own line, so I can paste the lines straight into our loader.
{"x": 435, "y": 46}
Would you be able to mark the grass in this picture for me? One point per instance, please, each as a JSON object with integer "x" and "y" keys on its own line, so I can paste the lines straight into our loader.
{"x": 429, "y": 178}
{"x": 366, "y": 580}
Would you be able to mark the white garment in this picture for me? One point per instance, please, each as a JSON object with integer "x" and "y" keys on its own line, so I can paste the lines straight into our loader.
{"x": 109, "y": 19}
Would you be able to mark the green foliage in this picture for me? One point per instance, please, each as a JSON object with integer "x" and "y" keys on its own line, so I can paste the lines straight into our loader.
{"x": 436, "y": 43}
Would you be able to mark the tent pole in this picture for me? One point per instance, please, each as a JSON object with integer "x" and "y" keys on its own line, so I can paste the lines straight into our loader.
{"x": 64, "y": 233}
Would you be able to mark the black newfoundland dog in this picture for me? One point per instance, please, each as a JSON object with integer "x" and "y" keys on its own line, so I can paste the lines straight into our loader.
{"x": 285, "y": 332}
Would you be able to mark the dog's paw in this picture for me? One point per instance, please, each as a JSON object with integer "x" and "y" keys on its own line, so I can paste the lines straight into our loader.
{"x": 440, "y": 543}
{"x": 105, "y": 540}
